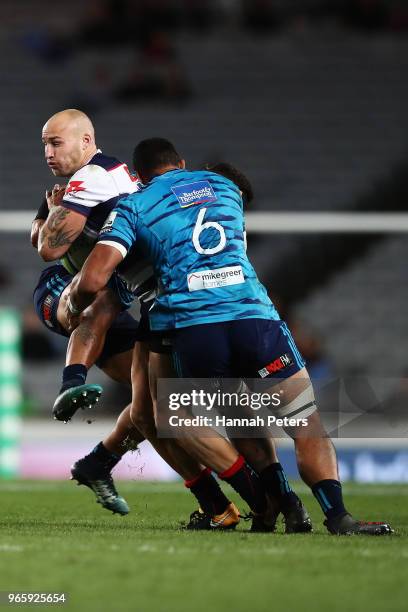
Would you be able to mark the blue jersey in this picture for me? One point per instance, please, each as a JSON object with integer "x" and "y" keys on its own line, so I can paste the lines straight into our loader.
{"x": 191, "y": 227}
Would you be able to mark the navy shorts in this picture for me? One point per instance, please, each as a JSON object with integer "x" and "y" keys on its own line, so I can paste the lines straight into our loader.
{"x": 46, "y": 296}
{"x": 244, "y": 348}
{"x": 121, "y": 336}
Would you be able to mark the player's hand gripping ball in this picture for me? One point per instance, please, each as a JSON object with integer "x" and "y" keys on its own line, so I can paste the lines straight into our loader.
{"x": 54, "y": 197}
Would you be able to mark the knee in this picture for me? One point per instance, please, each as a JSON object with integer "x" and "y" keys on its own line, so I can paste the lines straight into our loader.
{"x": 308, "y": 432}
{"x": 102, "y": 311}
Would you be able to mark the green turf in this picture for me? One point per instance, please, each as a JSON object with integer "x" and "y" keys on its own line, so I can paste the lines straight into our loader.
{"x": 55, "y": 538}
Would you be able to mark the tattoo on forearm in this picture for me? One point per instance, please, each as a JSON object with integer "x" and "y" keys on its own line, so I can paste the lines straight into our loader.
{"x": 56, "y": 217}
{"x": 61, "y": 239}
{"x": 57, "y": 237}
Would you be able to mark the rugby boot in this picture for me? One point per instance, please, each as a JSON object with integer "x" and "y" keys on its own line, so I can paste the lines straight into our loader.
{"x": 101, "y": 483}
{"x": 347, "y": 525}
{"x": 69, "y": 401}
{"x": 295, "y": 516}
{"x": 229, "y": 519}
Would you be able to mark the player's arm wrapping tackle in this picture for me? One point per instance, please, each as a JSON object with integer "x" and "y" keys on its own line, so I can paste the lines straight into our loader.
{"x": 94, "y": 276}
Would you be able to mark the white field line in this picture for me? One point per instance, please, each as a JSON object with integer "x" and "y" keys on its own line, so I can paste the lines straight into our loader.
{"x": 380, "y": 552}
{"x": 11, "y": 548}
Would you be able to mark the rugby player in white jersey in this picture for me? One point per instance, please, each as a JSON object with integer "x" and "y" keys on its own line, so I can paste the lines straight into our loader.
{"x": 105, "y": 335}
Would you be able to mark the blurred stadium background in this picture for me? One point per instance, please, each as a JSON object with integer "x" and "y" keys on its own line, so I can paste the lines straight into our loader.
{"x": 307, "y": 97}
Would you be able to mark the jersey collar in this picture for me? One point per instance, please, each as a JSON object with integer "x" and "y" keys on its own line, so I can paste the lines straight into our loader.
{"x": 164, "y": 175}
{"x": 93, "y": 156}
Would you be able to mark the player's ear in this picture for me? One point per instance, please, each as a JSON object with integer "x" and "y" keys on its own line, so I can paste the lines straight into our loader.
{"x": 86, "y": 141}
{"x": 182, "y": 164}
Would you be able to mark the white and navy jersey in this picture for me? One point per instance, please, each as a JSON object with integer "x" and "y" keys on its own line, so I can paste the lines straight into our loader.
{"x": 93, "y": 191}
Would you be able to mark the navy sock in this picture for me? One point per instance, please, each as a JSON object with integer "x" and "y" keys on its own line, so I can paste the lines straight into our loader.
{"x": 73, "y": 376}
{"x": 103, "y": 456}
{"x": 247, "y": 483}
{"x": 276, "y": 484}
{"x": 330, "y": 497}
{"x": 208, "y": 493}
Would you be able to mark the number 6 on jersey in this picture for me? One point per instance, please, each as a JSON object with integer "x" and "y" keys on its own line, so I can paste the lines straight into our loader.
{"x": 199, "y": 227}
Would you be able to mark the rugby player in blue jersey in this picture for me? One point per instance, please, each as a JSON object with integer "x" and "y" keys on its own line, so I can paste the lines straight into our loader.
{"x": 68, "y": 232}
{"x": 211, "y": 303}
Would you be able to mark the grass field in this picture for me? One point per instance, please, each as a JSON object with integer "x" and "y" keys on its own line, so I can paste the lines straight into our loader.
{"x": 55, "y": 538}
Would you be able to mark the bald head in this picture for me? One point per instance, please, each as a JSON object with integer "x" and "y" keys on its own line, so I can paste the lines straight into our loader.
{"x": 69, "y": 140}
{"x": 70, "y": 120}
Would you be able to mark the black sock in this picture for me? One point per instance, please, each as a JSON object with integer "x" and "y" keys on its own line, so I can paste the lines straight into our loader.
{"x": 208, "y": 493}
{"x": 103, "y": 457}
{"x": 330, "y": 497}
{"x": 276, "y": 484}
{"x": 73, "y": 376}
{"x": 247, "y": 483}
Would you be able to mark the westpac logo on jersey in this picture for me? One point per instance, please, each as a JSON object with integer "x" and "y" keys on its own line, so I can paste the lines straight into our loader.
{"x": 189, "y": 194}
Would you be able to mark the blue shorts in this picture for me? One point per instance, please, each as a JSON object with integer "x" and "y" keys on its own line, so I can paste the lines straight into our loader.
{"x": 244, "y": 348}
{"x": 121, "y": 336}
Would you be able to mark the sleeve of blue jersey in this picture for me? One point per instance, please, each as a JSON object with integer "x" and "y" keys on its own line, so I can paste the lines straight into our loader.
{"x": 121, "y": 231}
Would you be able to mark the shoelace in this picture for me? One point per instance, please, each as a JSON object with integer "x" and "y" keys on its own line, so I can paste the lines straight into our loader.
{"x": 105, "y": 488}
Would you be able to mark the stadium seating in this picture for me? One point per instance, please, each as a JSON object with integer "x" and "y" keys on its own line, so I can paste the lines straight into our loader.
{"x": 313, "y": 117}
{"x": 362, "y": 312}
